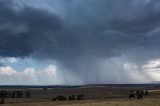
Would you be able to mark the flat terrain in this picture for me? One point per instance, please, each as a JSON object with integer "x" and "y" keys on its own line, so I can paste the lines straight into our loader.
{"x": 94, "y": 96}
{"x": 112, "y": 102}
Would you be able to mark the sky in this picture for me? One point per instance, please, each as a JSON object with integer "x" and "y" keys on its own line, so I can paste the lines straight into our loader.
{"x": 76, "y": 42}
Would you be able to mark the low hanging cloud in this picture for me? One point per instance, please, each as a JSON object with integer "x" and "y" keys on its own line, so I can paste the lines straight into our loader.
{"x": 88, "y": 38}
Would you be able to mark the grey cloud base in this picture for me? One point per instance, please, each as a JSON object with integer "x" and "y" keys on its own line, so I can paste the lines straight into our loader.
{"x": 92, "y": 39}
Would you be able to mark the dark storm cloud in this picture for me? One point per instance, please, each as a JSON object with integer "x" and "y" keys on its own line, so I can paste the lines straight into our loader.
{"x": 31, "y": 29}
{"x": 28, "y": 29}
{"x": 89, "y": 31}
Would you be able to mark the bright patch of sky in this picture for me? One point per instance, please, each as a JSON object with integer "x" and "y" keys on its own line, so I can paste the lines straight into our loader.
{"x": 22, "y": 63}
{"x": 152, "y": 68}
{"x": 48, "y": 76}
{"x": 27, "y": 71}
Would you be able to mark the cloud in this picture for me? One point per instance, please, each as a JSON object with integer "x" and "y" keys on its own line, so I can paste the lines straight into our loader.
{"x": 49, "y": 75}
{"x": 7, "y": 71}
{"x": 92, "y": 31}
{"x": 13, "y": 60}
{"x": 52, "y": 75}
{"x": 82, "y": 35}
{"x": 152, "y": 68}
{"x": 29, "y": 76}
{"x": 9, "y": 59}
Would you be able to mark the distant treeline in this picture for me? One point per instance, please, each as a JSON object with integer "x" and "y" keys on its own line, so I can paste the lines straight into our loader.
{"x": 127, "y": 85}
{"x": 149, "y": 86}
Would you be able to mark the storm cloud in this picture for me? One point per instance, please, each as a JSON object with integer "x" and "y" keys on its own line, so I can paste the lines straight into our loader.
{"x": 98, "y": 41}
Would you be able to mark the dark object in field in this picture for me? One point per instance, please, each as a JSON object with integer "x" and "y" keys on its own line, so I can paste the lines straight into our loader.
{"x": 54, "y": 99}
{"x": 8, "y": 94}
{"x": 137, "y": 92}
{"x": 28, "y": 94}
{"x": 45, "y": 88}
{"x": 140, "y": 96}
{"x": 80, "y": 97}
{"x": 132, "y": 94}
{"x": 2, "y": 100}
{"x": 3, "y": 94}
{"x": 72, "y": 97}
{"x": 61, "y": 98}
{"x": 14, "y": 94}
{"x": 142, "y": 92}
{"x": 146, "y": 92}
{"x": 19, "y": 94}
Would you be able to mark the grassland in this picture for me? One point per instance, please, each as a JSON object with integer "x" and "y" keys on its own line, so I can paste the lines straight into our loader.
{"x": 94, "y": 97}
